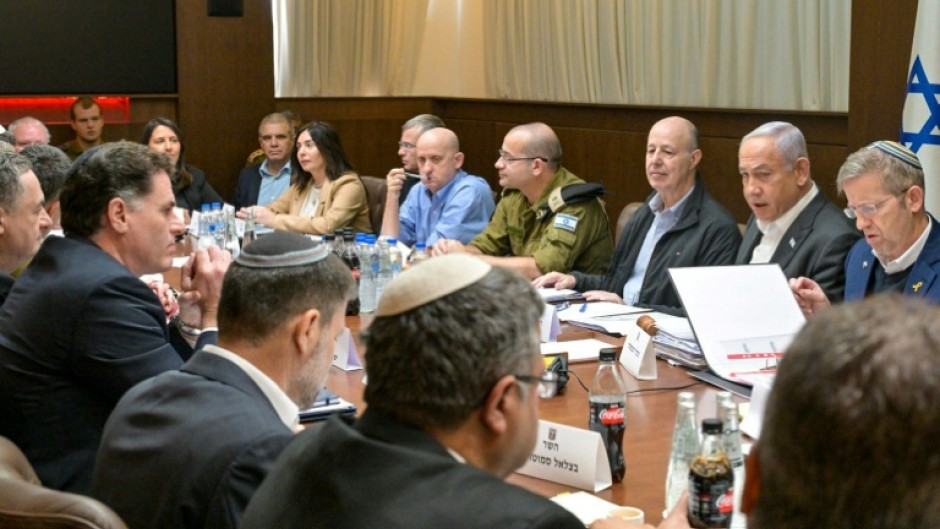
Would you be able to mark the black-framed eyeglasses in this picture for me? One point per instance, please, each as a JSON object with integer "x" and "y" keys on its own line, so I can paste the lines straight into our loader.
{"x": 547, "y": 383}
{"x": 407, "y": 146}
{"x": 865, "y": 211}
{"x": 506, "y": 157}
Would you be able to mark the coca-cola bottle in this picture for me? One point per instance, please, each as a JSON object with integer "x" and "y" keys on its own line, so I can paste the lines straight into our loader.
{"x": 711, "y": 481}
{"x": 608, "y": 400}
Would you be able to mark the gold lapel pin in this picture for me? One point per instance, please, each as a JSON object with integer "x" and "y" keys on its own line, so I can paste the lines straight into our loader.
{"x": 916, "y": 286}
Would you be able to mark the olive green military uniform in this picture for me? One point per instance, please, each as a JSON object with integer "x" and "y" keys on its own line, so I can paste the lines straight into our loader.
{"x": 576, "y": 237}
{"x": 72, "y": 149}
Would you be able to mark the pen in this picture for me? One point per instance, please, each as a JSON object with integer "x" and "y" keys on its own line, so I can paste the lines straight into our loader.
{"x": 583, "y": 308}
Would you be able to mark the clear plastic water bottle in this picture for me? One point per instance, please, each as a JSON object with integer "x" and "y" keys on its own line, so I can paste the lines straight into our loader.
{"x": 231, "y": 237}
{"x": 382, "y": 268}
{"x": 731, "y": 439}
{"x": 420, "y": 254}
{"x": 204, "y": 234}
{"x": 685, "y": 445}
{"x": 251, "y": 232}
{"x": 218, "y": 225}
{"x": 607, "y": 410}
{"x": 367, "y": 297}
{"x": 394, "y": 258}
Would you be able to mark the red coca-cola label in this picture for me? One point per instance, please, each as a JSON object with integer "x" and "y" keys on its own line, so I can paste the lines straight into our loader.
{"x": 725, "y": 503}
{"x": 611, "y": 416}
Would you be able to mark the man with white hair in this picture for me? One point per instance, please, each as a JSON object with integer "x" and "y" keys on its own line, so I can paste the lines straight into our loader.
{"x": 29, "y": 131}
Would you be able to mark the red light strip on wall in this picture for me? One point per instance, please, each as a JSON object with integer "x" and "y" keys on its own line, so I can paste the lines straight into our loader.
{"x": 55, "y": 110}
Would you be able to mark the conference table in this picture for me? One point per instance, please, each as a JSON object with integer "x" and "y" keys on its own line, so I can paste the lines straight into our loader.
{"x": 649, "y": 422}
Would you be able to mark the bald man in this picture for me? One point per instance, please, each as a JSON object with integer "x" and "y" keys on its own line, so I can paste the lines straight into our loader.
{"x": 448, "y": 203}
{"x": 29, "y": 131}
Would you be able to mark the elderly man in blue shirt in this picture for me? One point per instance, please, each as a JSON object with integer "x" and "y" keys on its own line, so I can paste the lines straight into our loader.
{"x": 448, "y": 203}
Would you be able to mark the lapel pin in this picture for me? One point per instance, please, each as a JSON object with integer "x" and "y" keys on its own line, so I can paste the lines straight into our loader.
{"x": 792, "y": 243}
{"x": 864, "y": 264}
{"x": 916, "y": 286}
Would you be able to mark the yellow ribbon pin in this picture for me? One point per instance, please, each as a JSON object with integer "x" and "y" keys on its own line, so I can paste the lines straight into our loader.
{"x": 916, "y": 286}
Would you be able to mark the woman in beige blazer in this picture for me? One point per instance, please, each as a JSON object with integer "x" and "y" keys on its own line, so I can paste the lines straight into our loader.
{"x": 325, "y": 194}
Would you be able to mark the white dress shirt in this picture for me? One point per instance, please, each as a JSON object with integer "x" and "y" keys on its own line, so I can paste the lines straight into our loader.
{"x": 774, "y": 230}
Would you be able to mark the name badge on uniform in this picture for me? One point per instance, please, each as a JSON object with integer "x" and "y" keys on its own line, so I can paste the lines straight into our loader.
{"x": 566, "y": 222}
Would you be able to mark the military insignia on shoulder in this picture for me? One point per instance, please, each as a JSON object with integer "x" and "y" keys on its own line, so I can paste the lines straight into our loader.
{"x": 566, "y": 222}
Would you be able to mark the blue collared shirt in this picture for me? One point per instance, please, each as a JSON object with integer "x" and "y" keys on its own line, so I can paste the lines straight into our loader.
{"x": 460, "y": 211}
{"x": 663, "y": 221}
{"x": 272, "y": 185}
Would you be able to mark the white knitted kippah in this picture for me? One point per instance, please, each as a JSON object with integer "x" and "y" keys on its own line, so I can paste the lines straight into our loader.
{"x": 429, "y": 281}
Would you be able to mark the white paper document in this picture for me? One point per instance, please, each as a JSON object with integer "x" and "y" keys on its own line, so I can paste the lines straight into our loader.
{"x": 578, "y": 350}
{"x": 744, "y": 317}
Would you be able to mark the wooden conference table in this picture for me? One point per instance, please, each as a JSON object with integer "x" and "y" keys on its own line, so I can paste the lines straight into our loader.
{"x": 647, "y": 440}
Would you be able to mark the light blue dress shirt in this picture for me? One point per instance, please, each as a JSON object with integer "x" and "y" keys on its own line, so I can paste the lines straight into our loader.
{"x": 460, "y": 211}
{"x": 663, "y": 221}
{"x": 272, "y": 185}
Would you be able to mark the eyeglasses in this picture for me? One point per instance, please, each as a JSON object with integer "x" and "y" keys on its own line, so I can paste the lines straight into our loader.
{"x": 547, "y": 383}
{"x": 506, "y": 157}
{"x": 865, "y": 211}
{"x": 407, "y": 146}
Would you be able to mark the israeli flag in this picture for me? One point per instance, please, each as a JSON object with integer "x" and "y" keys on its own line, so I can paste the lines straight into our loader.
{"x": 920, "y": 127}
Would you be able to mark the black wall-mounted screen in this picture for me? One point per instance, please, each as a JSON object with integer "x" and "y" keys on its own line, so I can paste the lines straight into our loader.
{"x": 87, "y": 47}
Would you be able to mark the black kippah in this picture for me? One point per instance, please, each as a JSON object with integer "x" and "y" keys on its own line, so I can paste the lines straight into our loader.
{"x": 280, "y": 249}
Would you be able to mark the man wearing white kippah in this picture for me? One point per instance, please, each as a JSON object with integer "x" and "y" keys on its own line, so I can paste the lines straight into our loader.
{"x": 900, "y": 251}
{"x": 187, "y": 449}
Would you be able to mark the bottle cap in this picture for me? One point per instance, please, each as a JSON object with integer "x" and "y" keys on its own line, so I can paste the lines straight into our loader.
{"x": 711, "y": 426}
{"x": 608, "y": 354}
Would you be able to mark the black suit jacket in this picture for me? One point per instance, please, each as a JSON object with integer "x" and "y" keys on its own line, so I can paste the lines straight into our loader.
{"x": 384, "y": 473}
{"x": 199, "y": 192}
{"x": 188, "y": 448}
{"x": 248, "y": 187}
{"x": 76, "y": 332}
{"x": 814, "y": 246}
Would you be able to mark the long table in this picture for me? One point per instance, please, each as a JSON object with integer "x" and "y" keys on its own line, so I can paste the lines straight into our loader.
{"x": 647, "y": 440}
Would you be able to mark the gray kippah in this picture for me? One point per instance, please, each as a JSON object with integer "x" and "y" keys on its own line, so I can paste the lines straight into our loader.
{"x": 280, "y": 249}
{"x": 429, "y": 281}
{"x": 896, "y": 150}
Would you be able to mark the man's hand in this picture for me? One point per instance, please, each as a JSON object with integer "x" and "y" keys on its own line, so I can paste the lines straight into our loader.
{"x": 395, "y": 181}
{"x": 602, "y": 295}
{"x": 201, "y": 281}
{"x": 446, "y": 246}
{"x": 556, "y": 279}
{"x": 809, "y": 295}
{"x": 165, "y": 294}
{"x": 263, "y": 215}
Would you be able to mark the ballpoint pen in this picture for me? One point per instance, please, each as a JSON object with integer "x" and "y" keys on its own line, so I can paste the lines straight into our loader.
{"x": 583, "y": 308}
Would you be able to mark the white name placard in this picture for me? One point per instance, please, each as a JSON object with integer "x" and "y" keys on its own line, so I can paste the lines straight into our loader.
{"x": 551, "y": 327}
{"x": 570, "y": 456}
{"x": 638, "y": 357}
{"x": 345, "y": 355}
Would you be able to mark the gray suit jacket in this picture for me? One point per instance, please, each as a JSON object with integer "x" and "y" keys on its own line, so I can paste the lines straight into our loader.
{"x": 815, "y": 246}
{"x": 188, "y": 448}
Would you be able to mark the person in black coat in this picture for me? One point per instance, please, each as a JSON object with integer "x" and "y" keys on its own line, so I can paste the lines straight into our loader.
{"x": 190, "y": 186}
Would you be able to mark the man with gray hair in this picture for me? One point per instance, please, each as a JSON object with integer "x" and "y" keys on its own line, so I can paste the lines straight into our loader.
{"x": 29, "y": 131}
{"x": 51, "y": 165}
{"x": 900, "y": 252}
{"x": 23, "y": 221}
{"x": 79, "y": 328}
{"x": 407, "y": 176}
{"x": 261, "y": 184}
{"x": 455, "y": 377}
{"x": 202, "y": 438}
{"x": 793, "y": 224}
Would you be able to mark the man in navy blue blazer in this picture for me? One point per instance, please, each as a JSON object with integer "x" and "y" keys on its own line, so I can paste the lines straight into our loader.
{"x": 79, "y": 327}
{"x": 259, "y": 185}
{"x": 900, "y": 250}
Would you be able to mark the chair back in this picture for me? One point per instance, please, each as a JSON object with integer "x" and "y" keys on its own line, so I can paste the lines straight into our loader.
{"x": 625, "y": 215}
{"x": 376, "y": 189}
{"x": 26, "y": 504}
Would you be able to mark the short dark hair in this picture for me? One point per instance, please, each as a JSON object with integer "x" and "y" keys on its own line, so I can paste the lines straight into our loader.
{"x": 179, "y": 175}
{"x": 433, "y": 366}
{"x": 327, "y": 140}
{"x": 850, "y": 433}
{"x": 50, "y": 165}
{"x": 85, "y": 103}
{"x": 542, "y": 143}
{"x": 12, "y": 166}
{"x": 122, "y": 169}
{"x": 257, "y": 301}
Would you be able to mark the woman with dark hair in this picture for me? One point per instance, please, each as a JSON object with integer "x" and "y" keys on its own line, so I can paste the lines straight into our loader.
{"x": 189, "y": 183}
{"x": 325, "y": 192}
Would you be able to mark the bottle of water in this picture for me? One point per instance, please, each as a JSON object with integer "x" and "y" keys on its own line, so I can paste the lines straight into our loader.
{"x": 367, "y": 298}
{"x": 731, "y": 439}
{"x": 607, "y": 407}
{"x": 231, "y": 238}
{"x": 394, "y": 258}
{"x": 420, "y": 254}
{"x": 351, "y": 258}
{"x": 685, "y": 446}
{"x": 250, "y": 229}
{"x": 382, "y": 268}
{"x": 218, "y": 225}
{"x": 205, "y": 234}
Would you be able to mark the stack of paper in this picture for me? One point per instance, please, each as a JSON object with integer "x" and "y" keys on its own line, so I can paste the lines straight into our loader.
{"x": 612, "y": 318}
{"x": 676, "y": 342}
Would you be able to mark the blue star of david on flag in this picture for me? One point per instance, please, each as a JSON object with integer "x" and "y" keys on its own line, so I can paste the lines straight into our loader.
{"x": 918, "y": 83}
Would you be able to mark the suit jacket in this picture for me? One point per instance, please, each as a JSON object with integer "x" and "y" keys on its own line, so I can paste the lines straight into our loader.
{"x": 6, "y": 283}
{"x": 248, "y": 187}
{"x": 814, "y": 246}
{"x": 188, "y": 448}
{"x": 199, "y": 192}
{"x": 76, "y": 332}
{"x": 922, "y": 282}
{"x": 342, "y": 203}
{"x": 384, "y": 473}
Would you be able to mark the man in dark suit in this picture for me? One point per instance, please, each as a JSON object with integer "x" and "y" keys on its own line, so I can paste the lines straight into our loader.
{"x": 79, "y": 328}
{"x": 441, "y": 431}
{"x": 261, "y": 184}
{"x": 793, "y": 224}
{"x": 188, "y": 448}
{"x": 23, "y": 220}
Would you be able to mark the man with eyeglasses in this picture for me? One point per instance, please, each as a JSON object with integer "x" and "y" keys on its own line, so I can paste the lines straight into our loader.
{"x": 548, "y": 219}
{"x": 679, "y": 225}
{"x": 453, "y": 400}
{"x": 259, "y": 185}
{"x": 793, "y": 224}
{"x": 402, "y": 179}
{"x": 448, "y": 203}
{"x": 900, "y": 252}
